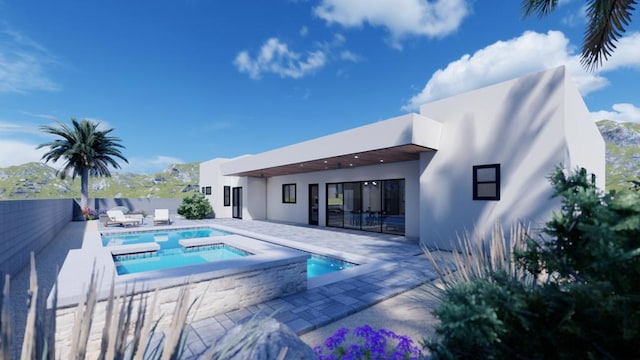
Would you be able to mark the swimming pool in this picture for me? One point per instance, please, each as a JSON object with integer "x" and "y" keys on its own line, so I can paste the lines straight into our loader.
{"x": 176, "y": 257}
{"x": 172, "y": 254}
{"x": 167, "y": 239}
{"x": 320, "y": 265}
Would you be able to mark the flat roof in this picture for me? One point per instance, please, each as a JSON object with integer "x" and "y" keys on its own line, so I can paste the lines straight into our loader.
{"x": 401, "y": 138}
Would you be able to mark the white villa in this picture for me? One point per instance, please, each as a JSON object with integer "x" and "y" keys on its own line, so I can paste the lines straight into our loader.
{"x": 462, "y": 164}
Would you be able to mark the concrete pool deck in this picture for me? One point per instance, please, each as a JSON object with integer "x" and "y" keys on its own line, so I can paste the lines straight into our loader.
{"x": 308, "y": 312}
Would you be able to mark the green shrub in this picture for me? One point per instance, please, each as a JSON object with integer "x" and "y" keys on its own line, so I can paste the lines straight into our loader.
{"x": 583, "y": 302}
{"x": 195, "y": 207}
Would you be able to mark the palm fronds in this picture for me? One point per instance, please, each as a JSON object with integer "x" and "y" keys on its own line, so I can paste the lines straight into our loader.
{"x": 607, "y": 20}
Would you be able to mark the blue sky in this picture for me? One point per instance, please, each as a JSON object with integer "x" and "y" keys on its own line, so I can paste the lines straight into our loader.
{"x": 191, "y": 80}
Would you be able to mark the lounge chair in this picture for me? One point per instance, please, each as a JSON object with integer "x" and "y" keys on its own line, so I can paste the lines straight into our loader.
{"x": 117, "y": 217}
{"x": 161, "y": 216}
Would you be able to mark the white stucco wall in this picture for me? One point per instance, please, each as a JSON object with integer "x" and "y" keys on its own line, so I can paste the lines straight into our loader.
{"x": 299, "y": 212}
{"x": 519, "y": 124}
{"x": 210, "y": 175}
{"x": 254, "y": 198}
{"x": 585, "y": 144}
{"x": 401, "y": 130}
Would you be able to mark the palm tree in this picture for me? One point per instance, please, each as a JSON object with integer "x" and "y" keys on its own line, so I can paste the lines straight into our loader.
{"x": 606, "y": 21}
{"x": 85, "y": 150}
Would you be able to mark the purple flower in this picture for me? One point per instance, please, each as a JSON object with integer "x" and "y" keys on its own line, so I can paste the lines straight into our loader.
{"x": 368, "y": 344}
{"x": 337, "y": 339}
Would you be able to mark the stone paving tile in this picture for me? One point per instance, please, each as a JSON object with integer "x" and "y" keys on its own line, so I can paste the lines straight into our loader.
{"x": 280, "y": 304}
{"x": 238, "y": 315}
{"x": 297, "y": 300}
{"x": 345, "y": 299}
{"x": 285, "y": 316}
{"x": 346, "y": 285}
{"x": 300, "y": 309}
{"x": 319, "y": 303}
{"x": 225, "y": 321}
{"x": 312, "y": 296}
{"x": 208, "y": 328}
{"x": 338, "y": 311}
{"x": 371, "y": 298}
{"x": 195, "y": 344}
{"x": 299, "y": 325}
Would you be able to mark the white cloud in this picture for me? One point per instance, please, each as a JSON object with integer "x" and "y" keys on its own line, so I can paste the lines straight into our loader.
{"x": 304, "y": 31}
{"x": 621, "y": 113}
{"x": 41, "y": 116}
{"x": 14, "y": 152}
{"x": 350, "y": 56}
{"x": 400, "y": 17}
{"x": 575, "y": 18}
{"x": 23, "y": 64}
{"x": 626, "y": 54}
{"x": 276, "y": 58}
{"x": 12, "y": 128}
{"x": 509, "y": 59}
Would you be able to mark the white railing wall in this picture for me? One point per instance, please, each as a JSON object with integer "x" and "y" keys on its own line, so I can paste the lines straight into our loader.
{"x": 28, "y": 226}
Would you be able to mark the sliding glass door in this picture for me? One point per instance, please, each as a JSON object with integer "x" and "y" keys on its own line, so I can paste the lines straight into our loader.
{"x": 372, "y": 205}
{"x": 393, "y": 207}
{"x": 375, "y": 205}
{"x": 335, "y": 205}
{"x": 352, "y": 210}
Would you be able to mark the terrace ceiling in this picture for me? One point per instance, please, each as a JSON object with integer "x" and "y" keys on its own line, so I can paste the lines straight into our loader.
{"x": 374, "y": 157}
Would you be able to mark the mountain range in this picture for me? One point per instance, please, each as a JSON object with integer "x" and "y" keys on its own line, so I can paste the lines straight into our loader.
{"x": 40, "y": 181}
{"x": 623, "y": 153}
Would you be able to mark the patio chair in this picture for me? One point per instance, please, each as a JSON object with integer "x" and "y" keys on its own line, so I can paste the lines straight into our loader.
{"x": 117, "y": 217}
{"x": 161, "y": 216}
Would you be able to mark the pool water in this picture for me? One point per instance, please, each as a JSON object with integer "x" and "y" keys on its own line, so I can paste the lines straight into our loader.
{"x": 166, "y": 239}
{"x": 172, "y": 254}
{"x": 172, "y": 258}
{"x": 320, "y": 265}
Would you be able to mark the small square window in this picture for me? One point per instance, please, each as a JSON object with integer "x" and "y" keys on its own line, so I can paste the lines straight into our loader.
{"x": 227, "y": 196}
{"x": 207, "y": 190}
{"x": 289, "y": 193}
{"x": 486, "y": 182}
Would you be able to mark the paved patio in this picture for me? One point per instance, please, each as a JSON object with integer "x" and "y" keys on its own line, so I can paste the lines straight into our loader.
{"x": 403, "y": 269}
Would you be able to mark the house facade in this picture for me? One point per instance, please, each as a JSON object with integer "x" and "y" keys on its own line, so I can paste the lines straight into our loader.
{"x": 460, "y": 165}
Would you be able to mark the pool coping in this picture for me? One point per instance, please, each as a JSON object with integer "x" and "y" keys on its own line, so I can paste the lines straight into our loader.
{"x": 267, "y": 250}
{"x": 364, "y": 266}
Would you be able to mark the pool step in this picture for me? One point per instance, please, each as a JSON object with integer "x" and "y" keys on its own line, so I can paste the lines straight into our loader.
{"x": 203, "y": 241}
{"x": 133, "y": 248}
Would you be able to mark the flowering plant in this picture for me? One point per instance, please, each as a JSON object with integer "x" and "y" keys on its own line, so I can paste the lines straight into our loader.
{"x": 368, "y": 344}
{"x": 90, "y": 214}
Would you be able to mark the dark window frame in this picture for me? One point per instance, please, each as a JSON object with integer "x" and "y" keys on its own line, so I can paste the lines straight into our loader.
{"x": 207, "y": 190}
{"x": 227, "y": 196}
{"x": 496, "y": 181}
{"x": 287, "y": 197}
{"x": 383, "y": 211}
